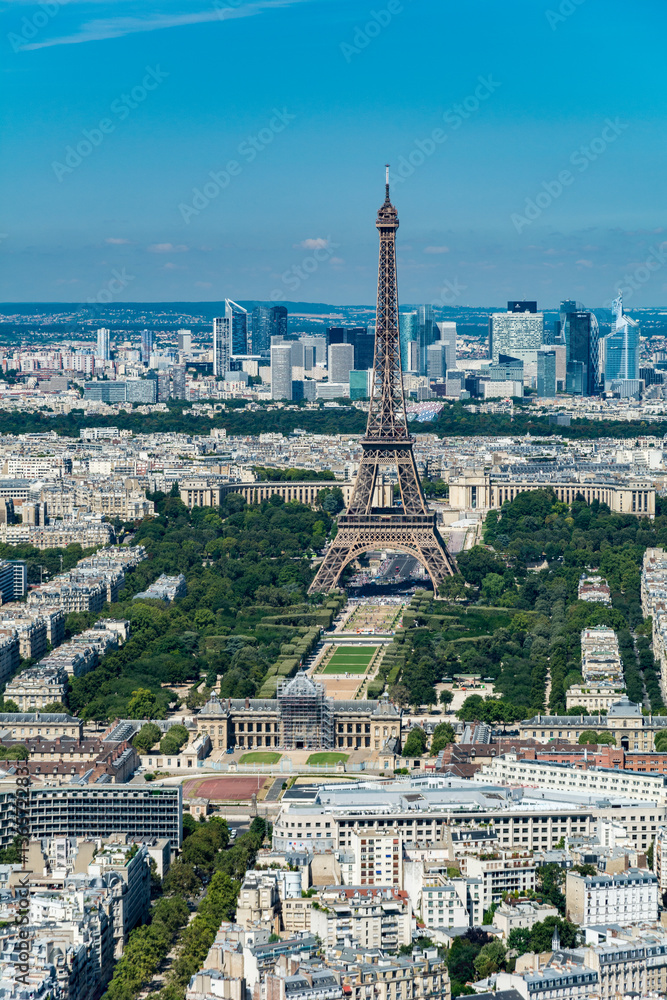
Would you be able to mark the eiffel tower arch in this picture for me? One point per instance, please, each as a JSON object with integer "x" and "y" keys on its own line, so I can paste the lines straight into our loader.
{"x": 410, "y": 528}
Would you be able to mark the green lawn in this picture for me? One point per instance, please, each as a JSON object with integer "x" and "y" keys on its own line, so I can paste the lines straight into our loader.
{"x": 327, "y": 757}
{"x": 350, "y": 661}
{"x": 260, "y": 757}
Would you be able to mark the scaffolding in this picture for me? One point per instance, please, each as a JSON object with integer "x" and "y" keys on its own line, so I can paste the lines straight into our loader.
{"x": 306, "y": 714}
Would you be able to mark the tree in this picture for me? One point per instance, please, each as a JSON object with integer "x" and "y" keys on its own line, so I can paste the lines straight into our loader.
{"x": 490, "y": 959}
{"x": 588, "y": 736}
{"x": 331, "y": 500}
{"x": 9, "y": 706}
{"x": 147, "y": 737}
{"x": 550, "y": 878}
{"x": 661, "y": 740}
{"x": 475, "y": 563}
{"x": 542, "y": 933}
{"x": 181, "y": 878}
{"x": 174, "y": 739}
{"x": 399, "y": 694}
{"x": 143, "y": 705}
{"x": 16, "y": 752}
{"x": 415, "y": 745}
{"x": 55, "y": 706}
{"x": 446, "y": 697}
{"x": 443, "y": 734}
{"x": 518, "y": 940}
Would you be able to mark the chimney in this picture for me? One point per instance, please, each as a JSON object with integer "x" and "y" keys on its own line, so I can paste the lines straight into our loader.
{"x": 247, "y": 702}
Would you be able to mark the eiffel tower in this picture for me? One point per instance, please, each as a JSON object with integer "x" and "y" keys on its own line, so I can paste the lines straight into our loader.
{"x": 410, "y": 528}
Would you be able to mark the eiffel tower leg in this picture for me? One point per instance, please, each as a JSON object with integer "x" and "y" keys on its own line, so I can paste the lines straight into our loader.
{"x": 336, "y": 559}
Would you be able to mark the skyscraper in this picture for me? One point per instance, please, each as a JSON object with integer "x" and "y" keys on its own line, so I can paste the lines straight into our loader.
{"x": 185, "y": 341}
{"x": 146, "y": 346}
{"x": 319, "y": 345}
{"x": 341, "y": 362}
{"x": 262, "y": 329}
{"x": 359, "y": 384}
{"x": 221, "y": 351}
{"x": 436, "y": 360}
{"x": 448, "y": 337}
{"x": 237, "y": 318}
{"x": 364, "y": 349}
{"x": 546, "y": 373}
{"x": 279, "y": 318}
{"x": 179, "y": 382}
{"x": 581, "y": 334}
{"x": 409, "y": 333}
{"x": 281, "y": 371}
{"x": 162, "y": 387}
{"x": 516, "y": 333}
{"x": 621, "y": 346}
{"x": 428, "y": 332}
{"x": 103, "y": 345}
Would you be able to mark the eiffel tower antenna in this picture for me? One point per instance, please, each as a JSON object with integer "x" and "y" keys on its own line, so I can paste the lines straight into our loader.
{"x": 410, "y": 527}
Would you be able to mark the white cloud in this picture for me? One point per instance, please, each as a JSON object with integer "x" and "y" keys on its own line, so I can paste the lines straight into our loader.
{"x": 116, "y": 241}
{"x": 319, "y": 243}
{"x": 102, "y": 29}
{"x": 436, "y": 249}
{"x": 167, "y": 248}
{"x": 585, "y": 263}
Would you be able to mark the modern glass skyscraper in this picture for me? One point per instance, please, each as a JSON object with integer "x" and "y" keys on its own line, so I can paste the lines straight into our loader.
{"x": 428, "y": 334}
{"x": 546, "y": 373}
{"x": 409, "y": 333}
{"x": 237, "y": 318}
{"x": 621, "y": 346}
{"x": 146, "y": 346}
{"x": 581, "y": 333}
{"x": 221, "y": 351}
{"x": 103, "y": 345}
{"x": 281, "y": 371}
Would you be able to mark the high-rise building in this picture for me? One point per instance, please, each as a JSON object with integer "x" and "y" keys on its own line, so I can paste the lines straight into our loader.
{"x": 221, "y": 346}
{"x": 364, "y": 349}
{"x": 178, "y": 387}
{"x": 185, "y": 341}
{"x": 298, "y": 352}
{"x": 621, "y": 346}
{"x": 580, "y": 332}
{"x": 237, "y": 318}
{"x": 162, "y": 387}
{"x": 517, "y": 333}
{"x": 409, "y": 334}
{"x": 279, "y": 317}
{"x": 428, "y": 334}
{"x": 262, "y": 329}
{"x": 546, "y": 373}
{"x": 308, "y": 357}
{"x": 281, "y": 371}
{"x": 146, "y": 346}
{"x": 448, "y": 337}
{"x": 103, "y": 344}
{"x": 436, "y": 360}
{"x": 360, "y": 384}
{"x": 341, "y": 362}
{"x": 319, "y": 345}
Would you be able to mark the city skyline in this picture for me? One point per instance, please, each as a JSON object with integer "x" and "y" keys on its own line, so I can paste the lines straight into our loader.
{"x": 513, "y": 178}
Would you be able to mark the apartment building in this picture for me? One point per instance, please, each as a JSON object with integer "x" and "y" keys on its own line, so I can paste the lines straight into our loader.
{"x": 378, "y": 859}
{"x": 9, "y": 654}
{"x": 37, "y": 687}
{"x": 626, "y": 897}
{"x": 102, "y": 810}
{"x": 501, "y": 872}
{"x": 509, "y": 769}
{"x": 600, "y": 656}
{"x": 372, "y": 916}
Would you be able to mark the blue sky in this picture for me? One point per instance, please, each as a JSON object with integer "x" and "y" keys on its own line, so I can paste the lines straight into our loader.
{"x": 115, "y": 114}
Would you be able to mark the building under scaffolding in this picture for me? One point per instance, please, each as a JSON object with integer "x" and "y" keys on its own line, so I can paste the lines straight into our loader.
{"x": 306, "y": 714}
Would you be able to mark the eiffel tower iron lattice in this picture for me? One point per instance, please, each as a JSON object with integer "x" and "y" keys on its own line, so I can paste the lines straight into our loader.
{"x": 410, "y": 528}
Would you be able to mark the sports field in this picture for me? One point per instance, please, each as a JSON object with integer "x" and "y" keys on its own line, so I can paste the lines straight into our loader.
{"x": 224, "y": 789}
{"x": 260, "y": 757}
{"x": 329, "y": 757}
{"x": 350, "y": 660}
